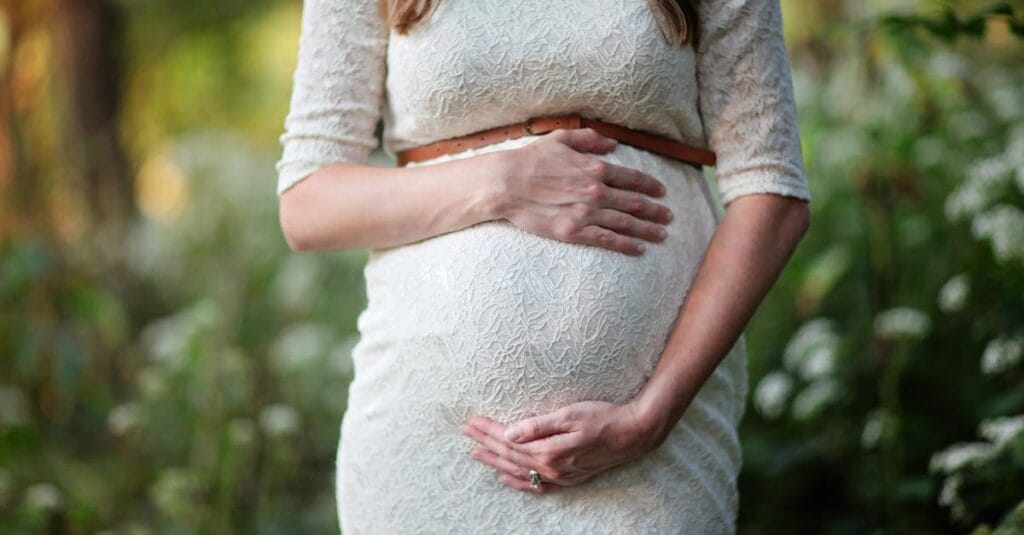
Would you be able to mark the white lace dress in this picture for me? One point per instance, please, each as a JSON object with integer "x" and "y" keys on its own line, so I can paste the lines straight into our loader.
{"x": 497, "y": 321}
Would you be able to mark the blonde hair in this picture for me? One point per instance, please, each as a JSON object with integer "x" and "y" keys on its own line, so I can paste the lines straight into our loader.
{"x": 677, "y": 19}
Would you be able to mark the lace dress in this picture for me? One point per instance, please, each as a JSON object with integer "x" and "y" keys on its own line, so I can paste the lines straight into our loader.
{"x": 494, "y": 320}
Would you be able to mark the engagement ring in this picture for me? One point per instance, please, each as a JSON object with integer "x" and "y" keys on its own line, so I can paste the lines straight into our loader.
{"x": 534, "y": 479}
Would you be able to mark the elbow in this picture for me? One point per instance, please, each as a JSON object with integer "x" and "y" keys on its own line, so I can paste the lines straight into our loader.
{"x": 803, "y": 216}
{"x": 292, "y": 227}
{"x": 798, "y": 219}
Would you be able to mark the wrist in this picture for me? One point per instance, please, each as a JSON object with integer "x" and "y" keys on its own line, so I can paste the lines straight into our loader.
{"x": 492, "y": 194}
{"x": 652, "y": 420}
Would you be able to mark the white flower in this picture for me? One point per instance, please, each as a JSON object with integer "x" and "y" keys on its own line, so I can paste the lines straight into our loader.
{"x": 43, "y": 496}
{"x": 124, "y": 418}
{"x": 960, "y": 455}
{"x": 175, "y": 491}
{"x": 808, "y": 335}
{"x": 950, "y": 487}
{"x": 1001, "y": 431}
{"x": 902, "y": 322}
{"x": 1002, "y": 354}
{"x": 299, "y": 346}
{"x": 813, "y": 350}
{"x": 949, "y": 496}
{"x": 204, "y": 314}
{"x": 279, "y": 419}
{"x": 875, "y": 426}
{"x": 1014, "y": 152}
{"x": 1006, "y": 101}
{"x": 772, "y": 393}
{"x": 819, "y": 362}
{"x": 298, "y": 282}
{"x": 1003, "y": 226}
{"x": 843, "y": 148}
{"x": 953, "y": 294}
{"x": 168, "y": 339}
{"x": 985, "y": 184}
{"x": 814, "y": 398}
{"x": 946, "y": 64}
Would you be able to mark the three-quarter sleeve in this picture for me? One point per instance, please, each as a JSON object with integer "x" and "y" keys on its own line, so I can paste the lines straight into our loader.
{"x": 746, "y": 100}
{"x": 337, "y": 90}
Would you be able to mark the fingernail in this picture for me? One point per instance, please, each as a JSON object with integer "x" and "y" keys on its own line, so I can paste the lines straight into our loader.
{"x": 512, "y": 433}
{"x": 640, "y": 247}
{"x": 661, "y": 232}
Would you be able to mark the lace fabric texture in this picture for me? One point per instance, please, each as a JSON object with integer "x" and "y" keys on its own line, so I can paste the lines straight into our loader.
{"x": 494, "y": 320}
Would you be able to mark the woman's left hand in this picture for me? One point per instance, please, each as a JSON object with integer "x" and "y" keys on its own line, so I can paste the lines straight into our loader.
{"x": 566, "y": 446}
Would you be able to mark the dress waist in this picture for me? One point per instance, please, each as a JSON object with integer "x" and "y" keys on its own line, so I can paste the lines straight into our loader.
{"x": 671, "y": 148}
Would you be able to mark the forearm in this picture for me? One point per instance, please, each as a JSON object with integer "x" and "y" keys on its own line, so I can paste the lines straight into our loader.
{"x": 746, "y": 254}
{"x": 347, "y": 206}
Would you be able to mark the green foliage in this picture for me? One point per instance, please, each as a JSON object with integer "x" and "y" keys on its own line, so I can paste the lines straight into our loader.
{"x": 909, "y": 294}
{"x": 202, "y": 390}
{"x": 949, "y": 25}
{"x": 190, "y": 376}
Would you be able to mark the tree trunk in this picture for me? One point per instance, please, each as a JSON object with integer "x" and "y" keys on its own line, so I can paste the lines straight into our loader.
{"x": 90, "y": 30}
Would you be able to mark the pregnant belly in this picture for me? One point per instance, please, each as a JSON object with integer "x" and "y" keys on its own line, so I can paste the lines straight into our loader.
{"x": 494, "y": 319}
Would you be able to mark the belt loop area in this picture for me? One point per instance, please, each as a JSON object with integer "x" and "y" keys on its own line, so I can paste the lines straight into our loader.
{"x": 537, "y": 125}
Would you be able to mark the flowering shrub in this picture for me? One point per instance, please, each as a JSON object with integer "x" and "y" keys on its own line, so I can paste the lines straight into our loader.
{"x": 189, "y": 374}
{"x": 909, "y": 310}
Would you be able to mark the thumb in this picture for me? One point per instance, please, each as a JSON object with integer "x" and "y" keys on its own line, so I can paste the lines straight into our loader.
{"x": 536, "y": 427}
{"x": 587, "y": 140}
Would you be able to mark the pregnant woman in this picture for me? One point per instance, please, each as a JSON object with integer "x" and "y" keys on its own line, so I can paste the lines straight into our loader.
{"x": 553, "y": 336}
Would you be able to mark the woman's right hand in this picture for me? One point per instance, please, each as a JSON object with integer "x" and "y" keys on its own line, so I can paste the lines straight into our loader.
{"x": 551, "y": 187}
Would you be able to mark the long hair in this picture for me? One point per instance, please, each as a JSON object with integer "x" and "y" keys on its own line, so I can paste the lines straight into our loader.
{"x": 677, "y": 19}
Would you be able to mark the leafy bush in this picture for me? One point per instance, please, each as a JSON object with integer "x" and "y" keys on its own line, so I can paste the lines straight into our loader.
{"x": 910, "y": 302}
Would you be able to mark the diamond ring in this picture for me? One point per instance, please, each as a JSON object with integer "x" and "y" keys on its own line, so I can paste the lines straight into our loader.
{"x": 534, "y": 479}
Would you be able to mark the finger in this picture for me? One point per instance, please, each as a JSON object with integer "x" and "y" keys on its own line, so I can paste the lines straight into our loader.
{"x": 627, "y": 178}
{"x": 496, "y": 431}
{"x": 494, "y": 460}
{"x": 584, "y": 139}
{"x": 609, "y": 239}
{"x": 550, "y": 427}
{"x": 628, "y": 224}
{"x": 500, "y": 447}
{"x": 526, "y": 460}
{"x": 516, "y": 458}
{"x": 537, "y": 427}
{"x": 636, "y": 204}
{"x": 524, "y": 484}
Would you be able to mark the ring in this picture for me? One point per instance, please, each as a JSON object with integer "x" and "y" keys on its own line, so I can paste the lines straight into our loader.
{"x": 534, "y": 479}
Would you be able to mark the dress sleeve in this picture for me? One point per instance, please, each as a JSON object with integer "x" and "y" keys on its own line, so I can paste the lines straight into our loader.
{"x": 338, "y": 85}
{"x": 746, "y": 99}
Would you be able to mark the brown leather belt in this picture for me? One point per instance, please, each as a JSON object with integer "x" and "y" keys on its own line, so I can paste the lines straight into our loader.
{"x": 543, "y": 124}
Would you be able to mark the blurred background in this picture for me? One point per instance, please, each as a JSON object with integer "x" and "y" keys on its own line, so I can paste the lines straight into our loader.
{"x": 168, "y": 365}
